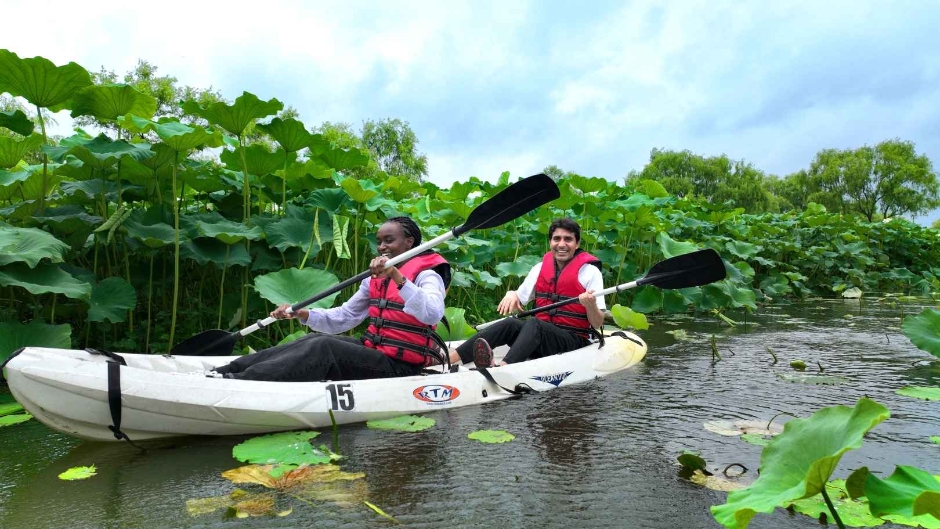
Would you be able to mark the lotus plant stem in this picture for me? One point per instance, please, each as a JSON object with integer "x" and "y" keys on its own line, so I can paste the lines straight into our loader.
{"x": 127, "y": 272}
{"x": 335, "y": 432}
{"x": 222, "y": 286}
{"x": 176, "y": 255}
{"x": 778, "y": 415}
{"x": 45, "y": 160}
{"x": 52, "y": 316}
{"x": 715, "y": 350}
{"x": 149, "y": 299}
{"x": 832, "y": 508}
{"x": 769, "y": 350}
{"x": 732, "y": 465}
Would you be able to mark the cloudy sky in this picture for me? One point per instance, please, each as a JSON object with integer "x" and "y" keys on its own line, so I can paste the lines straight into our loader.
{"x": 518, "y": 85}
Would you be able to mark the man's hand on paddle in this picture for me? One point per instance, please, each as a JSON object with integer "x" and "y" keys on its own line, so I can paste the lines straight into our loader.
{"x": 281, "y": 313}
{"x": 509, "y": 304}
{"x": 587, "y": 299}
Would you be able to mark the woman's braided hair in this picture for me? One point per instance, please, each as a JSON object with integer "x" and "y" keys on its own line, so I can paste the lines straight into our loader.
{"x": 409, "y": 228}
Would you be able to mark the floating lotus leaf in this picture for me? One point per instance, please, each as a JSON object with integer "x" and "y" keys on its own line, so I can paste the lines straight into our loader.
{"x": 908, "y": 492}
{"x": 935, "y": 439}
{"x": 10, "y": 407}
{"x": 287, "y": 448}
{"x": 821, "y": 380}
{"x": 459, "y": 328}
{"x": 919, "y": 392}
{"x": 680, "y": 335}
{"x": 626, "y": 318}
{"x": 405, "y": 423}
{"x": 756, "y": 439}
{"x": 17, "y": 121}
{"x": 235, "y": 118}
{"x": 14, "y": 335}
{"x": 648, "y": 299}
{"x": 799, "y": 462}
{"x": 714, "y": 482}
{"x": 10, "y": 420}
{"x": 742, "y": 427}
{"x": 29, "y": 245}
{"x": 107, "y": 102}
{"x": 12, "y": 150}
{"x": 292, "y": 285}
{"x": 491, "y": 436}
{"x": 853, "y": 513}
{"x": 798, "y": 365}
{"x": 671, "y": 248}
{"x": 78, "y": 473}
{"x": 39, "y": 81}
{"x": 43, "y": 279}
{"x": 196, "y": 507}
{"x": 924, "y": 330}
{"x": 111, "y": 299}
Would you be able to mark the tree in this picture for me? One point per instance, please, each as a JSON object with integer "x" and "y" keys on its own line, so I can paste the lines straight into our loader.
{"x": 887, "y": 180}
{"x": 557, "y": 173}
{"x": 716, "y": 179}
{"x": 394, "y": 146}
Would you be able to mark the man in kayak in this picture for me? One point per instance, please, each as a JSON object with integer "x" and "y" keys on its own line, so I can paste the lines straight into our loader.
{"x": 566, "y": 271}
{"x": 403, "y": 305}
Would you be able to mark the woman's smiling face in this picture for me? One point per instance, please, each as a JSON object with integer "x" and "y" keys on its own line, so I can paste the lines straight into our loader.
{"x": 392, "y": 241}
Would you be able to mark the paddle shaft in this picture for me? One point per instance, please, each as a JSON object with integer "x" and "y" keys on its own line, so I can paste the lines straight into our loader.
{"x": 353, "y": 280}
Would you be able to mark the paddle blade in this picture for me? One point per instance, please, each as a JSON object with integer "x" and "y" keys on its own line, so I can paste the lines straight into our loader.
{"x": 689, "y": 270}
{"x": 511, "y": 203}
{"x": 215, "y": 342}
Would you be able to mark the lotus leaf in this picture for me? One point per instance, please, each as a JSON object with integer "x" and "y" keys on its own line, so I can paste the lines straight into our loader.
{"x": 742, "y": 427}
{"x": 229, "y": 232}
{"x": 852, "y": 293}
{"x": 714, "y": 482}
{"x": 648, "y": 299}
{"x": 8, "y": 178}
{"x": 39, "y": 81}
{"x": 342, "y": 159}
{"x": 674, "y": 302}
{"x": 177, "y": 136}
{"x": 491, "y": 436}
{"x": 235, "y": 118}
{"x": 8, "y": 408}
{"x": 29, "y": 245}
{"x": 107, "y": 102}
{"x": 12, "y": 151}
{"x": 799, "y": 462}
{"x": 742, "y": 249}
{"x": 111, "y": 299}
{"x": 14, "y": 335}
{"x": 935, "y": 439}
{"x": 671, "y": 248}
{"x": 908, "y": 492}
{"x": 259, "y": 160}
{"x": 289, "y": 133}
{"x": 17, "y": 121}
{"x": 288, "y": 448}
{"x": 923, "y": 330}
{"x": 755, "y": 439}
{"x": 651, "y": 188}
{"x": 292, "y": 233}
{"x": 625, "y": 317}
{"x": 10, "y": 420}
{"x": 153, "y": 236}
{"x": 920, "y": 392}
{"x": 853, "y": 513}
{"x": 459, "y": 328}
{"x": 43, "y": 279}
{"x": 679, "y": 334}
{"x": 360, "y": 191}
{"x": 692, "y": 461}
{"x": 292, "y": 285}
{"x": 78, "y": 473}
{"x": 404, "y": 423}
{"x": 518, "y": 267}
{"x": 798, "y": 365}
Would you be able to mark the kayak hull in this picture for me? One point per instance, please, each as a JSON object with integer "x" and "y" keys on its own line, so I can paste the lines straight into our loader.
{"x": 165, "y": 396}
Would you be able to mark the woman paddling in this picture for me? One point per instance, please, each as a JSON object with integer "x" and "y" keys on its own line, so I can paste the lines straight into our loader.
{"x": 403, "y": 305}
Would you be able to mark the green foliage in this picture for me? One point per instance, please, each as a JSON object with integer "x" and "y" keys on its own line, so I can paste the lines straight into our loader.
{"x": 10, "y": 420}
{"x": 29, "y": 245}
{"x": 111, "y": 299}
{"x": 918, "y": 392}
{"x": 491, "y": 436}
{"x": 908, "y": 492}
{"x": 394, "y": 146}
{"x": 39, "y": 81}
{"x": 14, "y": 335}
{"x": 75, "y": 473}
{"x": 924, "y": 330}
{"x": 287, "y": 448}
{"x": 17, "y": 121}
{"x": 627, "y": 318}
{"x": 405, "y": 423}
{"x": 799, "y": 462}
{"x": 292, "y": 285}
{"x": 459, "y": 328}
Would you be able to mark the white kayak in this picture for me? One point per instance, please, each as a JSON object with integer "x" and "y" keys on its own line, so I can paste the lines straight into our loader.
{"x": 165, "y": 396}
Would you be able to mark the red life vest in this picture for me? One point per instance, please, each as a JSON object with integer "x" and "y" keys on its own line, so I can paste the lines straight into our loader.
{"x": 393, "y": 331}
{"x": 548, "y": 290}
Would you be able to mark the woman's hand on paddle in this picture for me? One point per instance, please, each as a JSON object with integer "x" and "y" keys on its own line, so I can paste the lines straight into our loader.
{"x": 377, "y": 267}
{"x": 509, "y": 304}
{"x": 587, "y": 299}
{"x": 281, "y": 313}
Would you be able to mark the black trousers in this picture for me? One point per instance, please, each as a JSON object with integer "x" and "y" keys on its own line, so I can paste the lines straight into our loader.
{"x": 317, "y": 357}
{"x": 527, "y": 338}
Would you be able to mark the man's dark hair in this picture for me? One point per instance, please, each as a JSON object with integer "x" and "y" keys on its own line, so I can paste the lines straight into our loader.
{"x": 409, "y": 228}
{"x": 565, "y": 224}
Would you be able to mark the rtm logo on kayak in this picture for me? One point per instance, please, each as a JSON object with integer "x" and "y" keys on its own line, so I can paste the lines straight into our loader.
{"x": 554, "y": 380}
{"x": 436, "y": 394}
